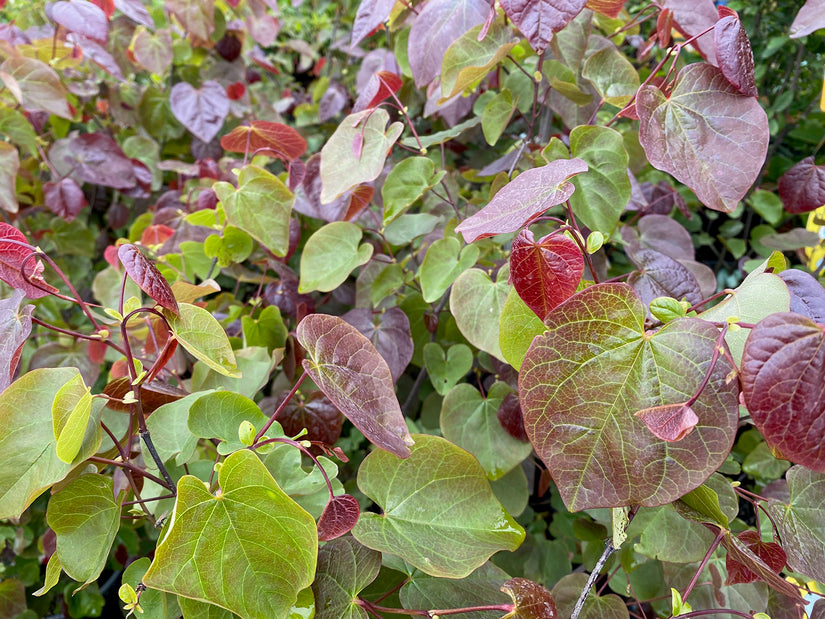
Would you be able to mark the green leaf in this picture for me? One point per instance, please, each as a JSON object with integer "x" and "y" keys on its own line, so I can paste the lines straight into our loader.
{"x": 518, "y": 326}
{"x": 415, "y": 524}
{"x": 476, "y": 303}
{"x": 28, "y": 455}
{"x": 677, "y": 606}
{"x": 768, "y": 205}
{"x": 441, "y": 136}
{"x": 273, "y": 543}
{"x": 260, "y": 206}
{"x": 38, "y": 85}
{"x": 612, "y": 74}
{"x": 356, "y": 152}
{"x": 604, "y": 190}
{"x": 470, "y": 421}
{"x": 445, "y": 370}
{"x": 19, "y": 130}
{"x": 667, "y": 536}
{"x": 155, "y": 604}
{"x": 345, "y": 568}
{"x": 201, "y": 334}
{"x": 496, "y": 116}
{"x": 233, "y": 246}
{"x": 762, "y": 465}
{"x": 220, "y": 414}
{"x": 170, "y": 432}
{"x": 444, "y": 261}
{"x": 703, "y": 502}
{"x": 579, "y": 396}
{"x": 12, "y": 597}
{"x": 85, "y": 518}
{"x": 268, "y": 330}
{"x": 566, "y": 593}
{"x": 407, "y": 182}
{"x": 71, "y": 409}
{"x": 330, "y": 255}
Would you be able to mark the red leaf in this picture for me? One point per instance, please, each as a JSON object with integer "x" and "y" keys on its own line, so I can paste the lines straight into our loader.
{"x": 523, "y": 199}
{"x": 83, "y": 18}
{"x": 284, "y": 141}
{"x": 783, "y": 384}
{"x": 733, "y": 53}
{"x": 12, "y": 257}
{"x": 610, "y": 8}
{"x": 664, "y": 25}
{"x": 802, "y": 188}
{"x": 338, "y": 517}
{"x": 99, "y": 160}
{"x": 359, "y": 200}
{"x": 738, "y": 564}
{"x": 725, "y": 11}
{"x": 670, "y": 422}
{"x": 108, "y": 6}
{"x": 202, "y": 110}
{"x": 532, "y": 601}
{"x": 156, "y": 235}
{"x": 539, "y": 20}
{"x": 235, "y": 91}
{"x": 380, "y": 86}
{"x": 97, "y": 351}
{"x": 110, "y": 255}
{"x": 146, "y": 275}
{"x": 64, "y": 198}
{"x": 546, "y": 273}
{"x": 510, "y": 417}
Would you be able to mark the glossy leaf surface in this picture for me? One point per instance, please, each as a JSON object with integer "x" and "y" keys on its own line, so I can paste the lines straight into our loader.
{"x": 539, "y": 20}
{"x": 201, "y": 110}
{"x": 476, "y": 302}
{"x": 202, "y": 336}
{"x": 353, "y": 375}
{"x": 345, "y": 567}
{"x": 71, "y": 409}
{"x": 15, "y": 327}
{"x": 330, "y": 255}
{"x": 579, "y": 400}
{"x": 282, "y": 140}
{"x": 277, "y": 556}
{"x": 219, "y": 415}
{"x": 338, "y": 517}
{"x": 147, "y": 277}
{"x": 705, "y": 134}
{"x": 532, "y": 601}
{"x": 414, "y": 524}
{"x": 748, "y": 557}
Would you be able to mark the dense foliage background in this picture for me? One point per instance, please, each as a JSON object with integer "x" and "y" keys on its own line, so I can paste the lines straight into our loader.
{"x": 345, "y": 308}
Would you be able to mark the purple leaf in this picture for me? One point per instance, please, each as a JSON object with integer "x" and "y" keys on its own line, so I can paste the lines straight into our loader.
{"x": 95, "y": 52}
{"x": 661, "y": 276}
{"x": 316, "y": 414}
{"x": 370, "y": 15}
{"x": 146, "y": 275}
{"x": 802, "y": 188}
{"x": 740, "y": 562}
{"x": 664, "y": 235}
{"x": 353, "y": 375}
{"x": 338, "y": 517}
{"x": 539, "y": 20}
{"x": 783, "y": 382}
{"x": 510, "y": 417}
{"x": 734, "y": 55}
{"x": 389, "y": 332}
{"x": 671, "y": 422}
{"x": 811, "y": 17}
{"x": 64, "y": 198}
{"x": 693, "y": 17}
{"x": 97, "y": 159}
{"x": 12, "y": 258}
{"x": 807, "y": 294}
{"x": 438, "y": 24}
{"x": 15, "y": 327}
{"x": 203, "y": 110}
{"x": 523, "y": 199}
{"x": 706, "y": 135}
{"x": 83, "y": 18}
{"x": 134, "y": 10}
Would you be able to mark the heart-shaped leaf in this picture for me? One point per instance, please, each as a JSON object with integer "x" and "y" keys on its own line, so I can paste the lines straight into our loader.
{"x": 613, "y": 75}
{"x": 370, "y": 15}
{"x": 741, "y": 564}
{"x": 670, "y": 422}
{"x": 444, "y": 261}
{"x": 315, "y": 414}
{"x": 276, "y": 556}
{"x": 706, "y": 134}
{"x": 546, "y": 272}
{"x": 199, "y": 332}
{"x": 802, "y": 188}
{"x": 414, "y": 524}
{"x": 381, "y": 85}
{"x": 202, "y": 110}
{"x": 445, "y": 370}
{"x": 345, "y": 568}
{"x": 330, "y": 255}
{"x": 539, "y": 20}
{"x": 518, "y": 325}
{"x": 36, "y": 85}
{"x": 347, "y": 368}
{"x": 480, "y": 588}
{"x": 523, "y": 199}
{"x": 15, "y": 327}
{"x": 476, "y": 303}
{"x": 146, "y": 275}
{"x": 338, "y": 517}
{"x": 734, "y": 55}
{"x": 389, "y": 332}
{"x": 281, "y": 140}
{"x": 532, "y": 601}
{"x": 807, "y": 294}
{"x": 662, "y": 276}
{"x": 98, "y": 159}
{"x": 197, "y": 18}
{"x": 13, "y": 257}
{"x": 219, "y": 415}
{"x": 153, "y": 51}
{"x": 64, "y": 198}
{"x": 81, "y": 17}
{"x": 784, "y": 386}
{"x": 405, "y": 183}
{"x": 579, "y": 396}
{"x": 810, "y": 18}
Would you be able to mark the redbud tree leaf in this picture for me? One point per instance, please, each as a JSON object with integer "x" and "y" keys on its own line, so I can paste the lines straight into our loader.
{"x": 706, "y": 134}
{"x": 389, "y": 332}
{"x": 98, "y": 159}
{"x": 201, "y": 110}
{"x": 12, "y": 258}
{"x": 353, "y": 375}
{"x": 371, "y": 14}
{"x": 579, "y": 397}
{"x": 281, "y": 139}
{"x": 802, "y": 188}
{"x": 274, "y": 542}
{"x": 539, "y": 20}
{"x": 476, "y": 303}
{"x": 338, "y": 517}
{"x": 197, "y": 18}
{"x": 749, "y": 559}
{"x": 64, "y": 198}
{"x": 518, "y": 325}
{"x": 82, "y": 17}
{"x": 9, "y": 166}
{"x": 414, "y": 524}
{"x": 15, "y": 327}
{"x": 218, "y": 415}
{"x": 345, "y": 567}
{"x": 810, "y": 18}
{"x": 38, "y": 84}
{"x": 330, "y": 255}
{"x": 523, "y": 199}
{"x": 532, "y": 601}
{"x": 147, "y": 277}
{"x": 545, "y": 272}
{"x": 671, "y": 422}
{"x": 734, "y": 55}
{"x": 782, "y": 381}
{"x": 692, "y": 18}
{"x": 71, "y": 409}
{"x": 610, "y": 8}
{"x": 662, "y": 276}
{"x": 613, "y": 75}
{"x": 152, "y": 51}
{"x": 381, "y": 85}
{"x": 201, "y": 335}
{"x": 444, "y": 261}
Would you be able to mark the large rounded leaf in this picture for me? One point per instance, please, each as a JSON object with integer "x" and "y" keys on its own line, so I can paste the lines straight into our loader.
{"x": 330, "y": 255}
{"x": 783, "y": 381}
{"x": 579, "y": 394}
{"x": 249, "y": 549}
{"x": 705, "y": 134}
{"x": 538, "y": 20}
{"x": 355, "y": 377}
{"x": 476, "y": 302}
{"x": 440, "y": 513}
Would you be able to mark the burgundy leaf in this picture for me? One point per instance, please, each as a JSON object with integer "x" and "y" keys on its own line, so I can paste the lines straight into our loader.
{"x": 435, "y": 28}
{"x": 353, "y": 375}
{"x": 381, "y": 85}
{"x": 370, "y": 15}
{"x": 64, "y": 198}
{"x": 692, "y": 17}
{"x": 308, "y": 195}
{"x": 15, "y": 327}
{"x": 389, "y": 332}
{"x": 705, "y": 134}
{"x": 12, "y": 257}
{"x": 670, "y": 422}
{"x": 297, "y": 171}
{"x": 783, "y": 383}
{"x": 108, "y": 6}
{"x": 523, "y": 199}
{"x": 83, "y": 18}
{"x": 659, "y": 233}
{"x": 802, "y": 188}
{"x": 98, "y": 54}
{"x": 360, "y": 199}
{"x": 741, "y": 564}
{"x": 811, "y": 17}
{"x": 153, "y": 394}
{"x": 99, "y": 160}
{"x": 539, "y": 20}
{"x": 316, "y": 414}
{"x": 510, "y": 417}
{"x": 134, "y": 10}
{"x": 734, "y": 55}
{"x": 807, "y": 294}
{"x": 146, "y": 275}
{"x": 664, "y": 26}
{"x": 530, "y": 599}
{"x": 610, "y": 8}
{"x": 285, "y": 296}
{"x": 662, "y": 276}
{"x": 546, "y": 272}
{"x": 338, "y": 518}
{"x": 202, "y": 110}
{"x": 284, "y": 141}
{"x": 332, "y": 102}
